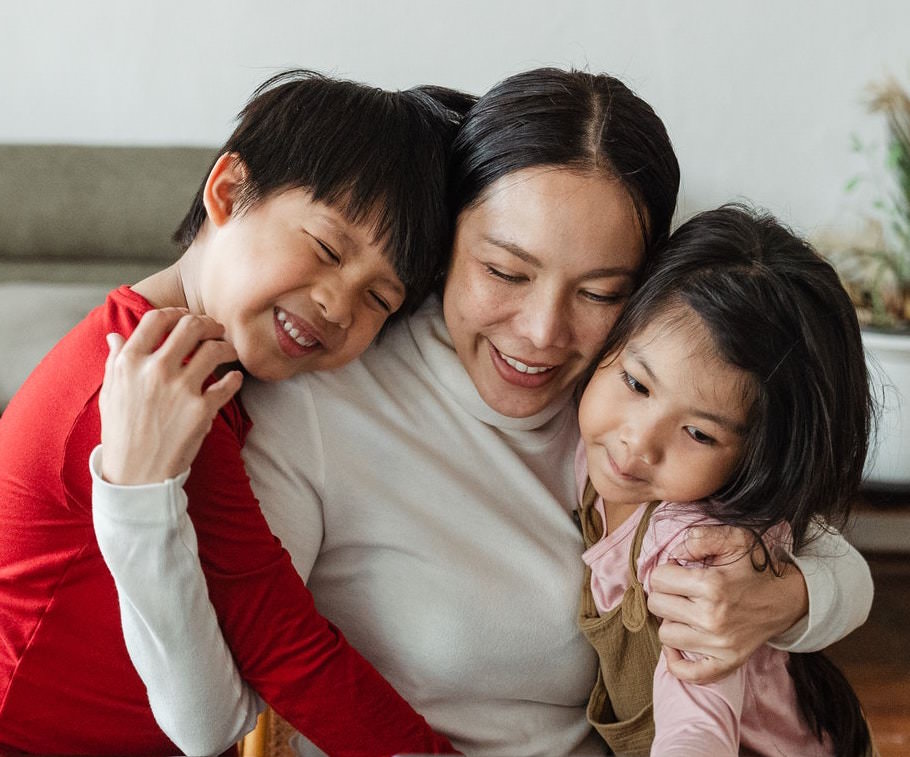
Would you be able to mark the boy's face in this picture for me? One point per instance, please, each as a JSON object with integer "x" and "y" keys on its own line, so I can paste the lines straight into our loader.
{"x": 296, "y": 285}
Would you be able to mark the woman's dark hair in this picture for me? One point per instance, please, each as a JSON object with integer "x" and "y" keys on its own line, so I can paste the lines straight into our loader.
{"x": 377, "y": 156}
{"x": 777, "y": 310}
{"x": 571, "y": 119}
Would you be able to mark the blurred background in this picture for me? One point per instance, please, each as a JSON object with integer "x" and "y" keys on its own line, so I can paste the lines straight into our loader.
{"x": 761, "y": 99}
{"x": 764, "y": 101}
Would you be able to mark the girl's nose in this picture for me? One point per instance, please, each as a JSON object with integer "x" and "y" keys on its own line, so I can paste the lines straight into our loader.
{"x": 641, "y": 439}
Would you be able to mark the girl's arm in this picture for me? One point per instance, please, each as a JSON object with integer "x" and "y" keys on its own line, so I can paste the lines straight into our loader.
{"x": 299, "y": 663}
{"x": 692, "y": 720}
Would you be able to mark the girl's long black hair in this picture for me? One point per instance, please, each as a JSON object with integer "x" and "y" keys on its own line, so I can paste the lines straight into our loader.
{"x": 778, "y": 311}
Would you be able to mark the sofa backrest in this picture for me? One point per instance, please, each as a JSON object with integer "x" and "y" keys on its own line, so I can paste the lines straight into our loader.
{"x": 93, "y": 214}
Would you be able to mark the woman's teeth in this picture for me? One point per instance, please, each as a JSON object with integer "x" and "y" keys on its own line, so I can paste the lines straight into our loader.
{"x": 522, "y": 368}
{"x": 293, "y": 332}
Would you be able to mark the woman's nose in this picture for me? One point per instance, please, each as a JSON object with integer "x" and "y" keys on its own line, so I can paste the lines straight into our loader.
{"x": 544, "y": 321}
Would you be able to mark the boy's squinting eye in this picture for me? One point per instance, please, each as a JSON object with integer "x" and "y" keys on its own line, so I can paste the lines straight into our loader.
{"x": 634, "y": 384}
{"x": 327, "y": 252}
{"x": 381, "y": 301}
{"x": 699, "y": 436}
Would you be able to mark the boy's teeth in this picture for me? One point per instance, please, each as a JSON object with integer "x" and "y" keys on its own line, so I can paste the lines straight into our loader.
{"x": 293, "y": 332}
{"x": 522, "y": 368}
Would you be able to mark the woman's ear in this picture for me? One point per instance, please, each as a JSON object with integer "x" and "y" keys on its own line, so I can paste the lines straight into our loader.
{"x": 226, "y": 178}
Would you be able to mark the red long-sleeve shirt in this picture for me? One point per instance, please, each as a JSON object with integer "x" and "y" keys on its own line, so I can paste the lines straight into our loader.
{"x": 67, "y": 685}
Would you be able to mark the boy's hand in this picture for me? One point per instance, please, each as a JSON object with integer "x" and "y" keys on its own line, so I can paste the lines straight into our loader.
{"x": 154, "y": 410}
{"x": 724, "y": 612}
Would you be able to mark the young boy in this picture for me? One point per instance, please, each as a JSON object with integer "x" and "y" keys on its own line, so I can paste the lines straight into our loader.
{"x": 322, "y": 216}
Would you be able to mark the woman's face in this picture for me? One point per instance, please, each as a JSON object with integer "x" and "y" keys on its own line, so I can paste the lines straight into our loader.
{"x": 541, "y": 268}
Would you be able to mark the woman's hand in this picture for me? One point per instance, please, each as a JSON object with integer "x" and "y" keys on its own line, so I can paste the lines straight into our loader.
{"x": 722, "y": 613}
{"x": 154, "y": 409}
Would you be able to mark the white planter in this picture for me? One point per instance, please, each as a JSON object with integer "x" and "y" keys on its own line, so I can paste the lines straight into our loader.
{"x": 888, "y": 357}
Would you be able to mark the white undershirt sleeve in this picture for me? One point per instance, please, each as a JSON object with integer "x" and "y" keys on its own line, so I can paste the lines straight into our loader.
{"x": 840, "y": 593}
{"x": 169, "y": 625}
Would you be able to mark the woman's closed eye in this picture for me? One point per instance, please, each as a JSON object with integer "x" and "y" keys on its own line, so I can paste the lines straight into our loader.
{"x": 500, "y": 274}
{"x": 604, "y": 298}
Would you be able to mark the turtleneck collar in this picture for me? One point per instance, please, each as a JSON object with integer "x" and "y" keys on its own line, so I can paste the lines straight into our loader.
{"x": 435, "y": 344}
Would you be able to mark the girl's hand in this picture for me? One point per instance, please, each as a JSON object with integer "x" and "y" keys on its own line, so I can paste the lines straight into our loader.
{"x": 154, "y": 410}
{"x": 722, "y": 613}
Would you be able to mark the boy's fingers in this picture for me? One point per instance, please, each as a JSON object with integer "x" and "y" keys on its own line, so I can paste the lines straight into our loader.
{"x": 151, "y": 330}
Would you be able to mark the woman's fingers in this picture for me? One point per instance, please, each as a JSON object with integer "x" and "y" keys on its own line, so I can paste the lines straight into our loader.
{"x": 153, "y": 327}
{"x": 222, "y": 390}
{"x": 203, "y": 362}
{"x": 187, "y": 335}
{"x": 155, "y": 406}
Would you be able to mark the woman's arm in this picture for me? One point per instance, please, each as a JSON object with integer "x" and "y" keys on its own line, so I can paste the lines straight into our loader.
{"x": 194, "y": 689}
{"x": 298, "y": 662}
{"x": 725, "y": 612}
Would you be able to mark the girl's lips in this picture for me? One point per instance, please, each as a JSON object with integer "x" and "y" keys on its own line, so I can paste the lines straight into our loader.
{"x": 620, "y": 474}
{"x": 530, "y": 379}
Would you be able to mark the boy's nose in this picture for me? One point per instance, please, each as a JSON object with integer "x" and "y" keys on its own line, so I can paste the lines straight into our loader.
{"x": 335, "y": 304}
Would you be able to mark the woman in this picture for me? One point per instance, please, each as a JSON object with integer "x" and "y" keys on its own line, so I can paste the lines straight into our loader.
{"x": 426, "y": 491}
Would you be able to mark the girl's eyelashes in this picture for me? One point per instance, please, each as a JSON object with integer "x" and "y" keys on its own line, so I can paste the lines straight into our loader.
{"x": 699, "y": 436}
{"x": 634, "y": 384}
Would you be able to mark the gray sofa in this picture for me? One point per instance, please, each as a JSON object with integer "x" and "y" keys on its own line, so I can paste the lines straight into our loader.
{"x": 76, "y": 221}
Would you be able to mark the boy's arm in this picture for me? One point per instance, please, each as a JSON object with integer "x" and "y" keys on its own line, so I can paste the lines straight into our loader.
{"x": 725, "y": 612}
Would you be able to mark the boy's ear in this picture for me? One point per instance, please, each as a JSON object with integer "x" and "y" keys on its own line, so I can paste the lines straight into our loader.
{"x": 225, "y": 179}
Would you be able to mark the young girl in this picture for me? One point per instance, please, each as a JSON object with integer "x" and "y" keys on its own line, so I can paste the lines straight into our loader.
{"x": 322, "y": 216}
{"x": 734, "y": 389}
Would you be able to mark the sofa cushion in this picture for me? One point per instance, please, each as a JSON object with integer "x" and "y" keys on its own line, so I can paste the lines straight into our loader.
{"x": 33, "y": 317}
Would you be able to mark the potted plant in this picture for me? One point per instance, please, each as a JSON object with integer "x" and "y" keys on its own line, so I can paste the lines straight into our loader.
{"x": 876, "y": 272}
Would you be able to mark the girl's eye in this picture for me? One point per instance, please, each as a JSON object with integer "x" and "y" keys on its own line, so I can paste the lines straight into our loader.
{"x": 503, "y": 275}
{"x": 634, "y": 384}
{"x": 604, "y": 299}
{"x": 699, "y": 436}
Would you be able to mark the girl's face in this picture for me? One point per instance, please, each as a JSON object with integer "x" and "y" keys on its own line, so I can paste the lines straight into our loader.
{"x": 665, "y": 419}
{"x": 541, "y": 268}
{"x": 297, "y": 286}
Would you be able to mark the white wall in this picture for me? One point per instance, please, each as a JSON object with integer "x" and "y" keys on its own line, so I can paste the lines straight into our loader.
{"x": 760, "y": 98}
